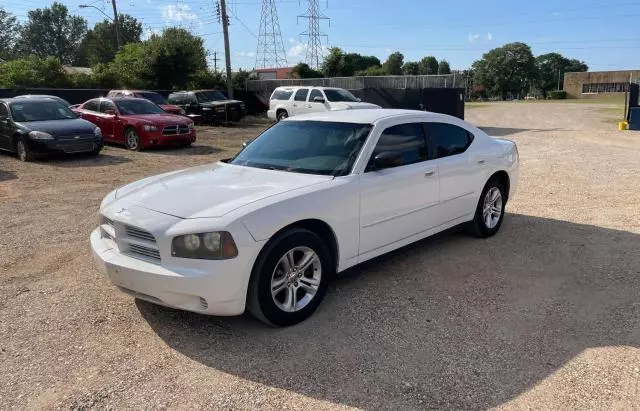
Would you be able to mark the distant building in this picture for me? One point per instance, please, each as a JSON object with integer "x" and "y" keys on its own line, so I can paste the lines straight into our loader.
{"x": 274, "y": 73}
{"x": 598, "y": 83}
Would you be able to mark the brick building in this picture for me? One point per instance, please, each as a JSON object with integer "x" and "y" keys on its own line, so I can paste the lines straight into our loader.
{"x": 598, "y": 83}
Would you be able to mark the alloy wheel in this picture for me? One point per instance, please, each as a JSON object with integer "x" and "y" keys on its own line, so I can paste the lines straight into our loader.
{"x": 296, "y": 279}
{"x": 492, "y": 207}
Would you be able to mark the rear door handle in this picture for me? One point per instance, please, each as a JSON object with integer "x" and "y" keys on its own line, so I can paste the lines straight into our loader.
{"x": 429, "y": 173}
{"x": 309, "y": 106}
{"x": 481, "y": 161}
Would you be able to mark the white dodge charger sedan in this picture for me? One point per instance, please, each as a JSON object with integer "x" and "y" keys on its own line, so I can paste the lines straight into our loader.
{"x": 308, "y": 198}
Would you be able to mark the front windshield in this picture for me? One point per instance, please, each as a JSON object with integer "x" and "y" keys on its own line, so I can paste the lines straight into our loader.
{"x": 206, "y": 96}
{"x": 43, "y": 110}
{"x": 138, "y": 106}
{"x": 312, "y": 147}
{"x": 154, "y": 97}
{"x": 338, "y": 94}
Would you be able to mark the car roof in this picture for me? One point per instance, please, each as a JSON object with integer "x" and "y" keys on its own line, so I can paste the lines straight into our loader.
{"x": 31, "y": 99}
{"x": 368, "y": 116}
{"x": 318, "y": 87}
{"x": 117, "y": 98}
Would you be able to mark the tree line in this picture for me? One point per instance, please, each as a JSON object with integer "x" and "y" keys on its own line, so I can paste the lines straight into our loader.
{"x": 36, "y": 51}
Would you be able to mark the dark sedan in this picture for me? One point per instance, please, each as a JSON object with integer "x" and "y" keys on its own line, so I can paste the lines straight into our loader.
{"x": 38, "y": 125}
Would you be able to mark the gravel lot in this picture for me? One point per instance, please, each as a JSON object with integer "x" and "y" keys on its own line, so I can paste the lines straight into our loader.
{"x": 544, "y": 315}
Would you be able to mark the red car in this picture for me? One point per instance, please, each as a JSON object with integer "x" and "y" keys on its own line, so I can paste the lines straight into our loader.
{"x": 137, "y": 122}
{"x": 149, "y": 95}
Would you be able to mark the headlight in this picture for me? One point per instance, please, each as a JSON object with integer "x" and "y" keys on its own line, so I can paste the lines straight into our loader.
{"x": 149, "y": 127}
{"x": 191, "y": 126}
{"x": 206, "y": 108}
{"x": 220, "y": 109}
{"x": 39, "y": 135}
{"x": 217, "y": 245}
{"x": 182, "y": 112}
{"x": 97, "y": 132}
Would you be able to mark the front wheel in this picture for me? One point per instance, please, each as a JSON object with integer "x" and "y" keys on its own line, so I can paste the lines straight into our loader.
{"x": 490, "y": 210}
{"x": 282, "y": 115}
{"x": 132, "y": 140}
{"x": 289, "y": 279}
{"x": 24, "y": 152}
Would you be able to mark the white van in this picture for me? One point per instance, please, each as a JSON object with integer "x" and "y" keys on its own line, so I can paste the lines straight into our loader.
{"x": 291, "y": 101}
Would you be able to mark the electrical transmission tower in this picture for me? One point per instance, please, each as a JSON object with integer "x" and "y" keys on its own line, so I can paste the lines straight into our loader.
{"x": 314, "y": 47}
{"x": 270, "y": 52}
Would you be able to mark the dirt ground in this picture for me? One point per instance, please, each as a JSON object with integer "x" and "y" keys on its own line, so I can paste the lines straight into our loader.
{"x": 545, "y": 315}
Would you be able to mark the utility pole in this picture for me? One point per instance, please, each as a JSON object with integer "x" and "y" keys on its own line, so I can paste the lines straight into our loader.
{"x": 558, "y": 79}
{"x": 116, "y": 23}
{"x": 227, "y": 51}
{"x": 215, "y": 61}
{"x": 314, "y": 48}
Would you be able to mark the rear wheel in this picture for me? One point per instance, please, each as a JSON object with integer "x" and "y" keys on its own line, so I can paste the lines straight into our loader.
{"x": 490, "y": 210}
{"x": 282, "y": 114}
{"x": 289, "y": 279}
{"x": 23, "y": 151}
{"x": 132, "y": 139}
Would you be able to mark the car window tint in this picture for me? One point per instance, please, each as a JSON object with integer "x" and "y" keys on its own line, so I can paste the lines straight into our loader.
{"x": 3, "y": 111}
{"x": 175, "y": 99}
{"x": 282, "y": 95}
{"x": 190, "y": 98}
{"x": 106, "y": 105}
{"x": 405, "y": 139}
{"x": 91, "y": 105}
{"x": 315, "y": 93}
{"x": 301, "y": 95}
{"x": 448, "y": 139}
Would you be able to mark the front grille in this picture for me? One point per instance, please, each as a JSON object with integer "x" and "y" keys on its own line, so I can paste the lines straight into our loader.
{"x": 139, "y": 233}
{"x": 145, "y": 251}
{"x": 175, "y": 130}
{"x": 129, "y": 239}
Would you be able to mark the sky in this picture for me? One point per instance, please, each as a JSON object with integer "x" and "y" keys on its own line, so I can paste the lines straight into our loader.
{"x": 603, "y": 34}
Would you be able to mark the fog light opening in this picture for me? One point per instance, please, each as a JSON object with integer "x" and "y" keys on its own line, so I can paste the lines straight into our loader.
{"x": 203, "y": 304}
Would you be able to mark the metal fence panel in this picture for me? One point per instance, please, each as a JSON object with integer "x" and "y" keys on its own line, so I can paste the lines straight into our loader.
{"x": 357, "y": 83}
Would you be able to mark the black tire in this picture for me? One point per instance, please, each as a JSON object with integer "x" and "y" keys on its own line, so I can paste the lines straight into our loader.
{"x": 478, "y": 227}
{"x": 134, "y": 144}
{"x": 281, "y": 115}
{"x": 95, "y": 152}
{"x": 261, "y": 303}
{"x": 23, "y": 151}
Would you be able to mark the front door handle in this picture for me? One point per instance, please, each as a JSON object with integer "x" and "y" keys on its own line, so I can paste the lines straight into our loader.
{"x": 309, "y": 106}
{"x": 429, "y": 173}
{"x": 481, "y": 161}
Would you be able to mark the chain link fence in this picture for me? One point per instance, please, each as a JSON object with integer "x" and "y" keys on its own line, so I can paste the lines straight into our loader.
{"x": 359, "y": 83}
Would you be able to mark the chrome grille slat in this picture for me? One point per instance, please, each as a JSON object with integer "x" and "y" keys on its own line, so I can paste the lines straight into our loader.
{"x": 139, "y": 233}
{"x": 175, "y": 130}
{"x": 149, "y": 252}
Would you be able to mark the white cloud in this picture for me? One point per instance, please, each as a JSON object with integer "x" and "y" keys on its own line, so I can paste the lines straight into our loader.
{"x": 489, "y": 36}
{"x": 388, "y": 50}
{"x": 149, "y": 1}
{"x": 246, "y": 54}
{"x": 473, "y": 37}
{"x": 297, "y": 49}
{"x": 178, "y": 13}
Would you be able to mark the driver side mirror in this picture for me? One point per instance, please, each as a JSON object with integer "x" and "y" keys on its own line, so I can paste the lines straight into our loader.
{"x": 318, "y": 99}
{"x": 387, "y": 160}
{"x": 358, "y": 99}
{"x": 110, "y": 113}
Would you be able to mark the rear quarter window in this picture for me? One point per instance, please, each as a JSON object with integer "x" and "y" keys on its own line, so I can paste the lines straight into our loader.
{"x": 282, "y": 95}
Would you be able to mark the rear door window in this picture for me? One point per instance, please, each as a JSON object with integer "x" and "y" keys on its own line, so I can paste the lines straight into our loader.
{"x": 315, "y": 93}
{"x": 407, "y": 140}
{"x": 448, "y": 139}
{"x": 282, "y": 95}
{"x": 107, "y": 105}
{"x": 92, "y": 105}
{"x": 301, "y": 95}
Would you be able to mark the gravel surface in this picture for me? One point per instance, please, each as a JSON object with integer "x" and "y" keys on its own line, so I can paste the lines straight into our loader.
{"x": 545, "y": 315}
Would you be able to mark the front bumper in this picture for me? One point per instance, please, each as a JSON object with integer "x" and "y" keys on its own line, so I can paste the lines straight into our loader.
{"x": 66, "y": 145}
{"x": 158, "y": 139}
{"x": 231, "y": 114}
{"x": 214, "y": 287}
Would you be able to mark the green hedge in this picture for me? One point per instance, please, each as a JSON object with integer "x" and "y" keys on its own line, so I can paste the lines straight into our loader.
{"x": 557, "y": 95}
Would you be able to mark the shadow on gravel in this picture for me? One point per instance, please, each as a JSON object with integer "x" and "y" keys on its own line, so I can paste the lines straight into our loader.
{"x": 7, "y": 175}
{"x": 80, "y": 160}
{"x": 194, "y": 150}
{"x": 449, "y": 322}
{"x": 506, "y": 131}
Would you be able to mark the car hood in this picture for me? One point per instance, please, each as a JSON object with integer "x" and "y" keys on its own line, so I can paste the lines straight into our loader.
{"x": 58, "y": 128}
{"x": 159, "y": 119}
{"x": 170, "y": 107}
{"x": 353, "y": 105}
{"x": 211, "y": 190}
{"x": 221, "y": 102}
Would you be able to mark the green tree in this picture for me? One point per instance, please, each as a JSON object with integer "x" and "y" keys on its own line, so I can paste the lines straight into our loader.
{"x": 333, "y": 63}
{"x": 100, "y": 44}
{"x": 443, "y": 67}
{"x": 206, "y": 79}
{"x": 428, "y": 65}
{"x": 337, "y": 63}
{"x": 132, "y": 67}
{"x": 302, "y": 70}
{"x": 372, "y": 71}
{"x": 507, "y": 70}
{"x": 33, "y": 71}
{"x": 239, "y": 79}
{"x": 52, "y": 32}
{"x": 9, "y": 28}
{"x": 356, "y": 62}
{"x": 411, "y": 68}
{"x": 394, "y": 63}
{"x": 551, "y": 68}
